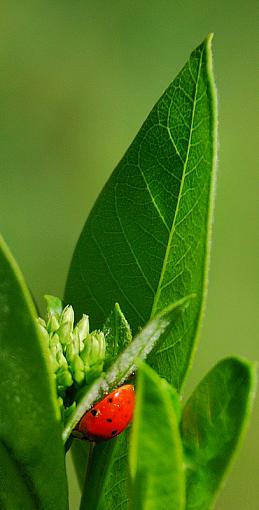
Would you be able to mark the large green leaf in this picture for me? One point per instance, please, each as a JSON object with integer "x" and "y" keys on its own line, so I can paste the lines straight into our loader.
{"x": 214, "y": 421}
{"x": 146, "y": 240}
{"x": 155, "y": 330}
{"x": 145, "y": 243}
{"x": 156, "y": 457}
{"x": 32, "y": 467}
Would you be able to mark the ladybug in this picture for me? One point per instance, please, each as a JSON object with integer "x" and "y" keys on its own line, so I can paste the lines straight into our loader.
{"x": 110, "y": 416}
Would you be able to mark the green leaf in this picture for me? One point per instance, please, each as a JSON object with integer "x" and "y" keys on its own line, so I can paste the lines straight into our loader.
{"x": 146, "y": 241}
{"x": 125, "y": 364}
{"x": 32, "y": 467}
{"x": 214, "y": 421}
{"x": 106, "y": 456}
{"x": 54, "y": 305}
{"x": 156, "y": 457}
{"x": 80, "y": 451}
{"x": 117, "y": 334}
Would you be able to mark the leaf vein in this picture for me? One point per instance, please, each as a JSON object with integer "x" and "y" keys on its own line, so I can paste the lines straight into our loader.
{"x": 157, "y": 296}
{"x": 129, "y": 244}
{"x": 116, "y": 281}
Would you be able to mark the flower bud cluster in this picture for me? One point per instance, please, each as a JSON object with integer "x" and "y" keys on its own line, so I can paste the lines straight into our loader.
{"x": 76, "y": 355}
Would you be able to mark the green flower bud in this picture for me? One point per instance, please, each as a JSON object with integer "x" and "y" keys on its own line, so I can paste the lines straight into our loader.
{"x": 63, "y": 379}
{"x": 64, "y": 333}
{"x": 77, "y": 369}
{"x": 76, "y": 356}
{"x": 43, "y": 331}
{"x": 41, "y": 322}
{"x": 83, "y": 327}
{"x": 62, "y": 362}
{"x": 54, "y": 363}
{"x": 54, "y": 346}
{"x": 70, "y": 352}
{"x": 68, "y": 316}
{"x": 76, "y": 341}
{"x": 52, "y": 324}
{"x": 54, "y": 340}
{"x": 93, "y": 354}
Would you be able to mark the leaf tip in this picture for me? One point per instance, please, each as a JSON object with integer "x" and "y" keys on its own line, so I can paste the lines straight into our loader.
{"x": 249, "y": 369}
{"x": 210, "y": 37}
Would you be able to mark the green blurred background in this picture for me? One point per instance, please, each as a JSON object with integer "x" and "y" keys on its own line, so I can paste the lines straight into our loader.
{"x": 77, "y": 80}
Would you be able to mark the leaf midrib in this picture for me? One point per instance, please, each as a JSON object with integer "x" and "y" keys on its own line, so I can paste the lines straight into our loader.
{"x": 172, "y": 231}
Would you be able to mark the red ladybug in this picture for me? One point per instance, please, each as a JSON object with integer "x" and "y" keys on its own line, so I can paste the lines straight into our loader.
{"x": 110, "y": 416}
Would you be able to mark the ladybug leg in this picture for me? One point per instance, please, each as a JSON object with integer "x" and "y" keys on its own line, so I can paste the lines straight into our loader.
{"x": 77, "y": 434}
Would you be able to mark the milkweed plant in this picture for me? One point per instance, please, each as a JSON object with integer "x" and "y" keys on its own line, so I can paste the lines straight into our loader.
{"x": 130, "y": 316}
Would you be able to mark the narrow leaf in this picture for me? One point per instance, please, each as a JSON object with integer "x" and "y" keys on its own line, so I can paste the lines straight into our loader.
{"x": 117, "y": 334}
{"x": 146, "y": 241}
{"x": 125, "y": 364}
{"x": 213, "y": 424}
{"x": 32, "y": 467}
{"x": 156, "y": 458}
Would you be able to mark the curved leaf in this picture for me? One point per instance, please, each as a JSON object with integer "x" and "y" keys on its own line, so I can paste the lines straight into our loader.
{"x": 31, "y": 449}
{"x": 156, "y": 457}
{"x": 214, "y": 421}
{"x": 145, "y": 243}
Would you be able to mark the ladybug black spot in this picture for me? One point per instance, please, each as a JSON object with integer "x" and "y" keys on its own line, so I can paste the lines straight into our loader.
{"x": 109, "y": 420}
{"x": 110, "y": 400}
{"x": 94, "y": 412}
{"x": 114, "y": 432}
